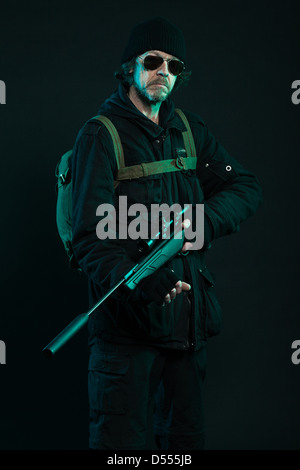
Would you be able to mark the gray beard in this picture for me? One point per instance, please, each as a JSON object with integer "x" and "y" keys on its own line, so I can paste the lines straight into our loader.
{"x": 147, "y": 100}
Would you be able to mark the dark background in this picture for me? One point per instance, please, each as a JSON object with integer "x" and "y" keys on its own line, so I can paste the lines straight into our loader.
{"x": 58, "y": 61}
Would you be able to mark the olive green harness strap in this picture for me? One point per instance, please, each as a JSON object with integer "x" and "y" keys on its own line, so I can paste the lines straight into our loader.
{"x": 187, "y": 135}
{"x": 154, "y": 168}
{"x": 151, "y": 168}
{"x": 116, "y": 142}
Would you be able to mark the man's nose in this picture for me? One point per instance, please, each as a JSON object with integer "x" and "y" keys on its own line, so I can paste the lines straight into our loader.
{"x": 163, "y": 69}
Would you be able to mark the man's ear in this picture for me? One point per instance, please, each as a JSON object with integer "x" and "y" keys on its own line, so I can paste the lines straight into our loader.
{"x": 132, "y": 65}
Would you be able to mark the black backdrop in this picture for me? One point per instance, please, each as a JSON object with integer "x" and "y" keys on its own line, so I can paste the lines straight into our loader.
{"x": 57, "y": 60}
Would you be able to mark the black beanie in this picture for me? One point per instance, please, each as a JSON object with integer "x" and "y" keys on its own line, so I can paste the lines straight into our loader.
{"x": 155, "y": 34}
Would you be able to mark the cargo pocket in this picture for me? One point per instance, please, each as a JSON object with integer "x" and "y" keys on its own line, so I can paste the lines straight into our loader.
{"x": 222, "y": 169}
{"x": 108, "y": 383}
{"x": 213, "y": 310}
{"x": 214, "y": 174}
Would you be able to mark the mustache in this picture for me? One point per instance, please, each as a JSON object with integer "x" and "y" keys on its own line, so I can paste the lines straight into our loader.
{"x": 159, "y": 81}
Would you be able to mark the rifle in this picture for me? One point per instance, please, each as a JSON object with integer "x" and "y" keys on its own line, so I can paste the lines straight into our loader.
{"x": 160, "y": 251}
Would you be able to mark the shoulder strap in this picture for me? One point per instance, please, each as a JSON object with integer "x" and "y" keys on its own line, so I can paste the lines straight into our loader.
{"x": 116, "y": 142}
{"x": 187, "y": 135}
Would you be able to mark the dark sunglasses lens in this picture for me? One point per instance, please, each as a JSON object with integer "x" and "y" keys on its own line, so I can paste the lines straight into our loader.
{"x": 176, "y": 67}
{"x": 152, "y": 62}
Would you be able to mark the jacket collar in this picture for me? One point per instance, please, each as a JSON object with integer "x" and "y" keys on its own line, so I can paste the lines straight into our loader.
{"x": 119, "y": 104}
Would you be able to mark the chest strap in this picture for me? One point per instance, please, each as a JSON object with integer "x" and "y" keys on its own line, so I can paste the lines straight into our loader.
{"x": 154, "y": 168}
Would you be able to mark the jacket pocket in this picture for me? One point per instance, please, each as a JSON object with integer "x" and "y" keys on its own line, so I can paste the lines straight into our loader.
{"x": 108, "y": 383}
{"x": 222, "y": 169}
{"x": 212, "y": 307}
{"x": 214, "y": 174}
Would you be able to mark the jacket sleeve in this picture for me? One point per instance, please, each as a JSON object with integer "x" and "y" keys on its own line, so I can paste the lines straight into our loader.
{"x": 93, "y": 169}
{"x": 231, "y": 192}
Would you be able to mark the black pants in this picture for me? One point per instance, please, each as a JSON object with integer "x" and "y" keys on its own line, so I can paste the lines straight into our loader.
{"x": 143, "y": 397}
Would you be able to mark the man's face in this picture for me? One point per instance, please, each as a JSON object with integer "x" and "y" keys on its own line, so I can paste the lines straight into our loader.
{"x": 153, "y": 86}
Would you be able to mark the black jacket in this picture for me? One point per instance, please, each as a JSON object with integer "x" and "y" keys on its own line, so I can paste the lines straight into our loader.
{"x": 230, "y": 195}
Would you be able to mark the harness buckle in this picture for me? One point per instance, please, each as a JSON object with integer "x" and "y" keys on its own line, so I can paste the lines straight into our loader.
{"x": 179, "y": 163}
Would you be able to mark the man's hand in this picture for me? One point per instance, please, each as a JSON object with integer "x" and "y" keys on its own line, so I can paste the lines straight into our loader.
{"x": 180, "y": 286}
{"x": 162, "y": 286}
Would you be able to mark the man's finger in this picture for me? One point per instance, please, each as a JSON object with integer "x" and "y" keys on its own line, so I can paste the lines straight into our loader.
{"x": 173, "y": 293}
{"x": 186, "y": 286}
{"x": 182, "y": 286}
{"x": 178, "y": 287}
{"x": 186, "y": 223}
{"x": 187, "y": 246}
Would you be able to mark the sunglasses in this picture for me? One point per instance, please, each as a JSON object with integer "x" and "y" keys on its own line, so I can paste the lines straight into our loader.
{"x": 153, "y": 62}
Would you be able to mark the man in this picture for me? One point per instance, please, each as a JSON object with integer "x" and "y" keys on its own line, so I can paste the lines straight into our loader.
{"x": 147, "y": 348}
